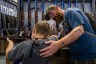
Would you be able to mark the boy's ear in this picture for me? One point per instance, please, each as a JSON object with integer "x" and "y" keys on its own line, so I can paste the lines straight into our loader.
{"x": 34, "y": 30}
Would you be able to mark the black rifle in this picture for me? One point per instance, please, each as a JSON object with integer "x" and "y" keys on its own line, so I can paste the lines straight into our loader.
{"x": 36, "y": 11}
{"x": 12, "y": 24}
{"x": 5, "y": 22}
{"x": 63, "y": 4}
{"x": 76, "y": 3}
{"x": 0, "y": 23}
{"x": 93, "y": 6}
{"x": 22, "y": 34}
{"x": 29, "y": 20}
{"x": 83, "y": 5}
{"x": 43, "y": 10}
{"x": 55, "y": 2}
{"x": 8, "y": 18}
{"x": 69, "y": 3}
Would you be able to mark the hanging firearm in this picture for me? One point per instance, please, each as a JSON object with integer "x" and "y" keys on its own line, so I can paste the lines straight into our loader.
{"x": 83, "y": 5}
{"x": 21, "y": 19}
{"x": 0, "y": 21}
{"x": 93, "y": 6}
{"x": 43, "y": 10}
{"x": 55, "y": 2}
{"x": 69, "y": 3}
{"x": 9, "y": 21}
{"x": 36, "y": 11}
{"x": 29, "y": 19}
{"x": 63, "y": 4}
{"x": 76, "y": 3}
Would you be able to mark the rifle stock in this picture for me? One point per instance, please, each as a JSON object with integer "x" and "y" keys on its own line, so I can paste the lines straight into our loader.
{"x": 14, "y": 39}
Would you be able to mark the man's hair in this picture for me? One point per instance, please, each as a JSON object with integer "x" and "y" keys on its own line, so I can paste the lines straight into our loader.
{"x": 49, "y": 8}
{"x": 42, "y": 27}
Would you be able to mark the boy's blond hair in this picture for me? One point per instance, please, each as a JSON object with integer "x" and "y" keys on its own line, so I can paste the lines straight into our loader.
{"x": 42, "y": 27}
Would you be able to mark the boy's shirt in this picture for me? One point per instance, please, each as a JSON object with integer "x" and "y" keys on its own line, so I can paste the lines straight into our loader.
{"x": 29, "y": 53}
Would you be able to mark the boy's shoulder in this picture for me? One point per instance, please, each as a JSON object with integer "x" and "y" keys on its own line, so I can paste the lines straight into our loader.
{"x": 53, "y": 37}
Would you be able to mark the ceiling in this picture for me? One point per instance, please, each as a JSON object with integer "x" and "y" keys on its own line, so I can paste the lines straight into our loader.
{"x": 61, "y": 0}
{"x": 14, "y": 2}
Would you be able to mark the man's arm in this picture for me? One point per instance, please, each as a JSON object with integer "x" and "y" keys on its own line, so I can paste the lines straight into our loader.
{"x": 68, "y": 39}
{"x": 72, "y": 36}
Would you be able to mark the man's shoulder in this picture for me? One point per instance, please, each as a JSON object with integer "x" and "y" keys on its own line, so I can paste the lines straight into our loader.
{"x": 72, "y": 9}
{"x": 53, "y": 37}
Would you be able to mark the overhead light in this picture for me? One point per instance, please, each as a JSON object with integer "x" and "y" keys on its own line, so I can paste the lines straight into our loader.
{"x": 49, "y": 0}
{"x": 15, "y": 1}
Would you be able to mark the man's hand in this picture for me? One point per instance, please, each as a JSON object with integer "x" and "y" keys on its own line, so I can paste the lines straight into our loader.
{"x": 50, "y": 50}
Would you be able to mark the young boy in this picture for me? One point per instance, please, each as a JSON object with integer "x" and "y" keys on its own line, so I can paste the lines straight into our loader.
{"x": 27, "y": 51}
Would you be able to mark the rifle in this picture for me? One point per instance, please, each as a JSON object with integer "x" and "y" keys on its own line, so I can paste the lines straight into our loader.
{"x": 93, "y": 6}
{"x": 63, "y": 4}
{"x": 12, "y": 24}
{"x": 83, "y": 5}
{"x": 36, "y": 11}
{"x": 69, "y": 3}
{"x": 29, "y": 20}
{"x": 5, "y": 31}
{"x": 0, "y": 21}
{"x": 76, "y": 3}
{"x": 21, "y": 19}
{"x": 55, "y": 3}
{"x": 15, "y": 22}
{"x": 8, "y": 21}
{"x": 43, "y": 10}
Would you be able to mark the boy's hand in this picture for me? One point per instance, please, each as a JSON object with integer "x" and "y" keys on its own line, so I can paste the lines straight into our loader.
{"x": 10, "y": 46}
{"x": 9, "y": 41}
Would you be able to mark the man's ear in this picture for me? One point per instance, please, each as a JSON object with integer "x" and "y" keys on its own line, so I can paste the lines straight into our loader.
{"x": 57, "y": 7}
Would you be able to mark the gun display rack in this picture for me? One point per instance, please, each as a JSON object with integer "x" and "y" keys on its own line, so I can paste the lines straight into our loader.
{"x": 12, "y": 25}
